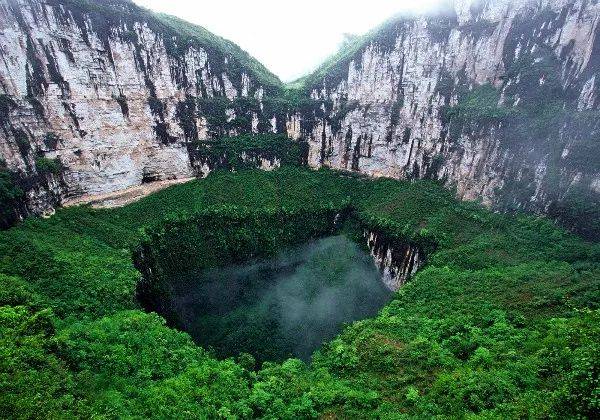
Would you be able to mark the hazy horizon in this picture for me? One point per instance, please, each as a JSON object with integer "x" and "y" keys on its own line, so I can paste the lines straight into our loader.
{"x": 289, "y": 41}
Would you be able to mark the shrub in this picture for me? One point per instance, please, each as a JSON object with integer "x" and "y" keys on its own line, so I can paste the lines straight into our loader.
{"x": 10, "y": 196}
{"x": 480, "y": 104}
{"x": 47, "y": 166}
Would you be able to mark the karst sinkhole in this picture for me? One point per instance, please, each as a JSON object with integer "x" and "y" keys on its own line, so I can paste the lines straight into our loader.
{"x": 278, "y": 307}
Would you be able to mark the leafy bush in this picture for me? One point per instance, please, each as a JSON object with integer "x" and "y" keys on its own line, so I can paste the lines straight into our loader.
{"x": 22, "y": 141}
{"x": 10, "y": 196}
{"x": 6, "y": 105}
{"x": 47, "y": 166}
{"x": 480, "y": 104}
{"x": 249, "y": 151}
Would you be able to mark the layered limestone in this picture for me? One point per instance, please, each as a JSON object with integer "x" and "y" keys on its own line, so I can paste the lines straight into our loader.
{"x": 115, "y": 98}
{"x": 397, "y": 262}
{"x": 384, "y": 111}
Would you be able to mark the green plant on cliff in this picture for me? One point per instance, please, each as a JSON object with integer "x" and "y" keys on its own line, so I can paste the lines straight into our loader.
{"x": 480, "y": 104}
{"x": 248, "y": 151}
{"x": 46, "y": 166}
{"x": 6, "y": 105}
{"x": 22, "y": 141}
{"x": 10, "y": 196}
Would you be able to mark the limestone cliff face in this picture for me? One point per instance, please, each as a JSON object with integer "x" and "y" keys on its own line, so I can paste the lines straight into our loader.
{"x": 497, "y": 98}
{"x": 114, "y": 96}
{"x": 396, "y": 262}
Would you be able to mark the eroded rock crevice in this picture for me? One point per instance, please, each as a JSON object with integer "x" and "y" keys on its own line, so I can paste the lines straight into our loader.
{"x": 396, "y": 261}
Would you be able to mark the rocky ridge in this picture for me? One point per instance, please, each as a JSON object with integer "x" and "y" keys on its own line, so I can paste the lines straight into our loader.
{"x": 115, "y": 95}
{"x": 498, "y": 99}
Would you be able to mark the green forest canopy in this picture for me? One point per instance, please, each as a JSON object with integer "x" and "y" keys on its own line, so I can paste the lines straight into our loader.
{"x": 502, "y": 321}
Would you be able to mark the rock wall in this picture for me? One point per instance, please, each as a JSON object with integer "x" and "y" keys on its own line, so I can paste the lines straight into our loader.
{"x": 396, "y": 261}
{"x": 496, "y": 98}
{"x": 115, "y": 95}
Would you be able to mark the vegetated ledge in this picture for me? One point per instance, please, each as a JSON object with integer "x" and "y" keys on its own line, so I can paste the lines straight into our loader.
{"x": 256, "y": 151}
{"x": 231, "y": 235}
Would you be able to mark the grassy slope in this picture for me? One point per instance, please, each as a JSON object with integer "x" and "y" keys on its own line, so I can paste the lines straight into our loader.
{"x": 339, "y": 61}
{"x": 495, "y": 325}
{"x": 113, "y": 11}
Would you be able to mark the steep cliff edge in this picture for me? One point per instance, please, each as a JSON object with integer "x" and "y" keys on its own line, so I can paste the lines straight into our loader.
{"x": 97, "y": 97}
{"x": 497, "y": 98}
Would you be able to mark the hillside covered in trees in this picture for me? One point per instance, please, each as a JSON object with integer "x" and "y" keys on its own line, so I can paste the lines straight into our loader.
{"x": 410, "y": 231}
{"x": 502, "y": 321}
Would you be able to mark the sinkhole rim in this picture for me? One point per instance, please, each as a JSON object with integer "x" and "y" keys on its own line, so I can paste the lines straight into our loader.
{"x": 394, "y": 257}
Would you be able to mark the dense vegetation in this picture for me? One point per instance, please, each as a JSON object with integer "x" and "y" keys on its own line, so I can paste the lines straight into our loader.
{"x": 502, "y": 322}
{"x": 248, "y": 152}
{"x": 46, "y": 166}
{"x": 10, "y": 196}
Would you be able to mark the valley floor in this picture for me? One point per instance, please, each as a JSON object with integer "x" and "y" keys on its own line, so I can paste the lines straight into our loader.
{"x": 123, "y": 197}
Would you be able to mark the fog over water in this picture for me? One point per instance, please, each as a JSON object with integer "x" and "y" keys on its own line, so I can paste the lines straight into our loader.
{"x": 285, "y": 306}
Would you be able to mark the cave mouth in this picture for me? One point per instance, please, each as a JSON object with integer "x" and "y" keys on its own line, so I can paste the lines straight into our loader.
{"x": 279, "y": 307}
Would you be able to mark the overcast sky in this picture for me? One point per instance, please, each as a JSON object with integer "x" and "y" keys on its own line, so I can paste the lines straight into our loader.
{"x": 291, "y": 38}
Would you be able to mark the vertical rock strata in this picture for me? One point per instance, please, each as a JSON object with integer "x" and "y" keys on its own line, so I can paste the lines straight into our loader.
{"x": 115, "y": 94}
{"x": 497, "y": 98}
{"x": 397, "y": 262}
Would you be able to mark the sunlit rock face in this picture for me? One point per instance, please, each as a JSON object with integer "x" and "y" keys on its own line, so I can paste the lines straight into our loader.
{"x": 119, "y": 98}
{"x": 109, "y": 96}
{"x": 383, "y": 111}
